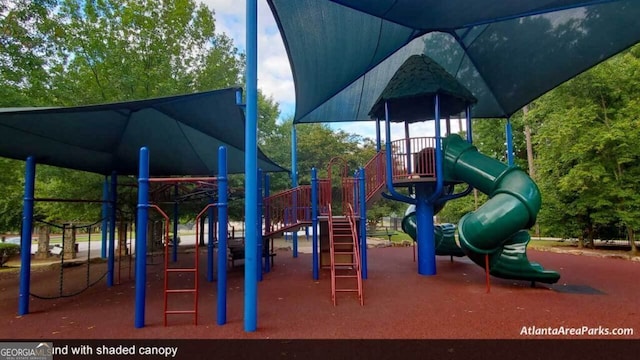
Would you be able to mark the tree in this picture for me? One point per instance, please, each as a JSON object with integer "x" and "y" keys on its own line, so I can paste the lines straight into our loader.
{"x": 588, "y": 148}
{"x": 76, "y": 52}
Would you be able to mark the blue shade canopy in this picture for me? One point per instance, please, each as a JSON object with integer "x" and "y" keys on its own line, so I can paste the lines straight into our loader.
{"x": 507, "y": 53}
{"x": 183, "y": 134}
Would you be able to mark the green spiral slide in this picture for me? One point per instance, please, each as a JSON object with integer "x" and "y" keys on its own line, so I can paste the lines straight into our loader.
{"x": 496, "y": 228}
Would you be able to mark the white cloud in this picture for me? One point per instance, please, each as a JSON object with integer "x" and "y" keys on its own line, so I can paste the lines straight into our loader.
{"x": 274, "y": 73}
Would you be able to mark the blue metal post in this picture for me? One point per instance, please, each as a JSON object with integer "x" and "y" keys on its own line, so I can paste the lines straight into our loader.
{"x": 25, "y": 242}
{"x": 222, "y": 236}
{"x": 174, "y": 254}
{"x": 267, "y": 221}
{"x": 425, "y": 230}
{"x": 509, "y": 135}
{"x": 378, "y": 137}
{"x": 111, "y": 258}
{"x": 141, "y": 237}
{"x": 469, "y": 127}
{"x": 294, "y": 184}
{"x": 251, "y": 167}
{"x": 363, "y": 223}
{"x": 210, "y": 241}
{"x": 314, "y": 223}
{"x": 259, "y": 226}
{"x": 105, "y": 217}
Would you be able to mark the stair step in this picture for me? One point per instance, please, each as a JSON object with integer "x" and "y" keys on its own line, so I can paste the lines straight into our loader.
{"x": 346, "y": 276}
{"x": 180, "y": 312}
{"x": 181, "y": 270}
{"x": 174, "y": 291}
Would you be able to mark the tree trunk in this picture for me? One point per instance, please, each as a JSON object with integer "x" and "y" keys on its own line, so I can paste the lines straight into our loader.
{"x": 590, "y": 237}
{"x": 43, "y": 243}
{"x": 580, "y": 242}
{"x": 632, "y": 240}
{"x": 69, "y": 247}
{"x": 201, "y": 240}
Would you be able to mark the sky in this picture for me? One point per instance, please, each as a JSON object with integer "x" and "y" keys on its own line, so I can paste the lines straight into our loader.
{"x": 274, "y": 73}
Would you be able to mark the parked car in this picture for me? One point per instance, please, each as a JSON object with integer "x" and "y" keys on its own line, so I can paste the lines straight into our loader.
{"x": 13, "y": 240}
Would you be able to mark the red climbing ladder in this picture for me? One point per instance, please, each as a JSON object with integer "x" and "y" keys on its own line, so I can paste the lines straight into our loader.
{"x": 346, "y": 275}
{"x": 168, "y": 271}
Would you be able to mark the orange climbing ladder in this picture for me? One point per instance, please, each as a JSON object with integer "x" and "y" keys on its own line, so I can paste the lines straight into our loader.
{"x": 346, "y": 275}
{"x": 169, "y": 271}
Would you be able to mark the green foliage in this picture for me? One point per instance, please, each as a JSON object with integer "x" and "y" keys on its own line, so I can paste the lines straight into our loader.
{"x": 7, "y": 251}
{"x": 589, "y": 146}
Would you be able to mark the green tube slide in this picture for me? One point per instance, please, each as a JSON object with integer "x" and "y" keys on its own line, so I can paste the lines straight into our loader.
{"x": 445, "y": 240}
{"x": 495, "y": 229}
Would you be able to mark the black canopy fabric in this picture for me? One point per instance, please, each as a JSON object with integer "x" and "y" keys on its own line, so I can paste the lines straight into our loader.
{"x": 507, "y": 53}
{"x": 183, "y": 134}
{"x": 411, "y": 91}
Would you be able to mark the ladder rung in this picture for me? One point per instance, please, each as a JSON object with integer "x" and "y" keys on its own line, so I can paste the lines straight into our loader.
{"x": 345, "y": 264}
{"x": 346, "y": 276}
{"x": 180, "y": 312}
{"x": 181, "y": 270}
{"x": 346, "y": 290}
{"x": 180, "y": 290}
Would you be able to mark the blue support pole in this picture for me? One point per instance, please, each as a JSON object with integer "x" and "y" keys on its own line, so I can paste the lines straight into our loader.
{"x": 437, "y": 192}
{"x": 267, "y": 221}
{"x": 392, "y": 191}
{"x": 222, "y": 236}
{"x": 111, "y": 258}
{"x": 425, "y": 230}
{"x": 174, "y": 254}
{"x": 251, "y": 167}
{"x": 509, "y": 135}
{"x": 314, "y": 223}
{"x": 25, "y": 240}
{"x": 378, "y": 137}
{"x": 105, "y": 217}
{"x": 141, "y": 237}
{"x": 469, "y": 125}
{"x": 294, "y": 184}
{"x": 210, "y": 241}
{"x": 363, "y": 223}
{"x": 259, "y": 226}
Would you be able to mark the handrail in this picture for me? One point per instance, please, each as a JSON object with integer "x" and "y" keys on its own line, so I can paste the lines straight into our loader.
{"x": 375, "y": 172}
{"x": 356, "y": 250}
{"x": 332, "y": 257}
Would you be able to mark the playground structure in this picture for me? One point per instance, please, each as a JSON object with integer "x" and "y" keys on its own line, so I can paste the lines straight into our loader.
{"x": 427, "y": 169}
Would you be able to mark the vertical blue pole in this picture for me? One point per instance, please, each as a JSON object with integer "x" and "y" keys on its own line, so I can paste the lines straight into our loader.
{"x": 509, "y": 135}
{"x": 425, "y": 229}
{"x": 25, "y": 242}
{"x": 294, "y": 184}
{"x": 363, "y": 223}
{"x": 222, "y": 236}
{"x": 378, "y": 137}
{"x": 251, "y": 159}
{"x": 112, "y": 229}
{"x": 211, "y": 218}
{"x": 314, "y": 223}
{"x": 469, "y": 127}
{"x": 105, "y": 217}
{"x": 175, "y": 224}
{"x": 259, "y": 226}
{"x": 267, "y": 220}
{"x": 141, "y": 237}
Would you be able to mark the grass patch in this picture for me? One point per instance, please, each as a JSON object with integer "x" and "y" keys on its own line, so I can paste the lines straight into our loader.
{"x": 550, "y": 243}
